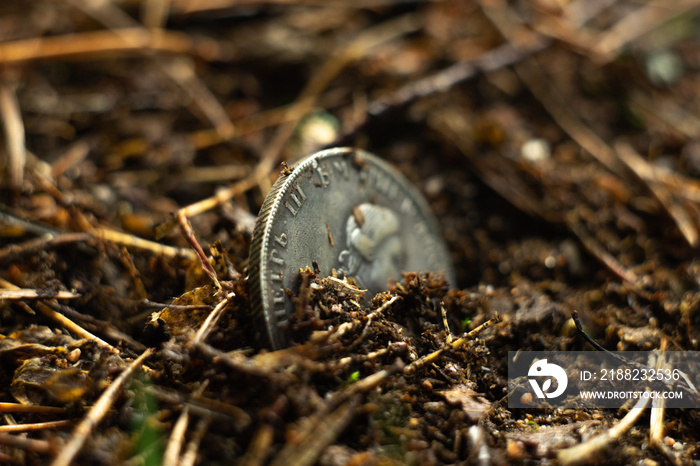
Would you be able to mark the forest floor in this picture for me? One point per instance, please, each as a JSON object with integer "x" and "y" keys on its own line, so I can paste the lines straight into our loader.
{"x": 555, "y": 142}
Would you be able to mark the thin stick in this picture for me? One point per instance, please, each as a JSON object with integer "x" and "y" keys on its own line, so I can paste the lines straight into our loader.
{"x": 130, "y": 240}
{"x": 37, "y": 426}
{"x": 599, "y": 252}
{"x": 97, "y": 412}
{"x": 154, "y": 14}
{"x": 443, "y": 312}
{"x": 302, "y": 105}
{"x": 203, "y": 406}
{"x": 638, "y": 23}
{"x": 179, "y": 70}
{"x": 259, "y": 446}
{"x": 177, "y": 438}
{"x": 647, "y": 175}
{"x": 36, "y": 294}
{"x": 658, "y": 405}
{"x": 20, "y": 408}
{"x": 190, "y": 456}
{"x": 45, "y": 241}
{"x": 586, "y": 336}
{"x": 326, "y": 428}
{"x": 14, "y": 133}
{"x": 337, "y": 333}
{"x": 583, "y": 452}
{"x": 96, "y": 325}
{"x": 28, "y": 226}
{"x": 134, "y": 274}
{"x": 23, "y": 443}
{"x": 72, "y": 327}
{"x": 534, "y": 78}
{"x": 64, "y": 321}
{"x": 211, "y": 320}
{"x": 188, "y": 232}
{"x": 458, "y": 343}
{"x": 104, "y": 44}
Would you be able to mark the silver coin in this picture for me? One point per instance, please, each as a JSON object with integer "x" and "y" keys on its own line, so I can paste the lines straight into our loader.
{"x": 344, "y": 209}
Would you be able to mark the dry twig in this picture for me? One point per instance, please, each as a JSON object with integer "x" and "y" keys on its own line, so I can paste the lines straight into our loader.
{"x": 320, "y": 431}
{"x": 584, "y": 452}
{"x": 49, "y": 425}
{"x": 20, "y": 408}
{"x": 458, "y": 343}
{"x": 645, "y": 19}
{"x": 14, "y": 133}
{"x": 97, "y": 412}
{"x": 105, "y": 44}
{"x": 36, "y": 294}
{"x": 23, "y": 443}
{"x": 302, "y": 105}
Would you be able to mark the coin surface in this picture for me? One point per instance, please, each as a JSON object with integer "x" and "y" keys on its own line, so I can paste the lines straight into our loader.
{"x": 344, "y": 209}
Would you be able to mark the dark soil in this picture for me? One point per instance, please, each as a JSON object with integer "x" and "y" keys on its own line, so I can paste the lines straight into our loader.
{"x": 556, "y": 143}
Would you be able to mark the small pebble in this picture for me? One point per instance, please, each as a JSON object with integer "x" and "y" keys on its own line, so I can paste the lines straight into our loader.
{"x": 74, "y": 355}
{"x": 515, "y": 449}
{"x": 535, "y": 150}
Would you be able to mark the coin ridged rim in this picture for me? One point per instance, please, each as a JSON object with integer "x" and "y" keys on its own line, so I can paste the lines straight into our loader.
{"x": 263, "y": 227}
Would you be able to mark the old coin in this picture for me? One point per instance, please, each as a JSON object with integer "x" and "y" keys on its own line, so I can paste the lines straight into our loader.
{"x": 344, "y": 209}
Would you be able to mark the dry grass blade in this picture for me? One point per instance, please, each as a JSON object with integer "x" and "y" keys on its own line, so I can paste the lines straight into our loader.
{"x": 73, "y": 327}
{"x": 97, "y": 412}
{"x": 325, "y": 429}
{"x": 302, "y": 105}
{"x": 177, "y": 438}
{"x": 586, "y": 452}
{"x": 456, "y": 344}
{"x": 36, "y": 294}
{"x": 189, "y": 235}
{"x": 211, "y": 320}
{"x": 656, "y": 107}
{"x": 14, "y": 133}
{"x": 23, "y": 443}
{"x": 183, "y": 73}
{"x": 48, "y": 240}
{"x": 189, "y": 458}
{"x": 37, "y": 426}
{"x": 20, "y": 408}
{"x": 645, "y": 19}
{"x": 105, "y": 44}
{"x": 337, "y": 333}
{"x": 202, "y": 406}
{"x": 532, "y": 75}
{"x": 179, "y": 70}
{"x": 259, "y": 447}
{"x": 599, "y": 252}
{"x": 646, "y": 173}
{"x": 154, "y": 13}
{"x": 126, "y": 239}
{"x": 63, "y": 320}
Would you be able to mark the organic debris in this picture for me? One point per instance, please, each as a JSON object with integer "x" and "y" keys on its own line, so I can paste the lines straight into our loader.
{"x": 556, "y": 143}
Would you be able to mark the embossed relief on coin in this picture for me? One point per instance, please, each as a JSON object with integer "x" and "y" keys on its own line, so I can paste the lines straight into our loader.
{"x": 374, "y": 247}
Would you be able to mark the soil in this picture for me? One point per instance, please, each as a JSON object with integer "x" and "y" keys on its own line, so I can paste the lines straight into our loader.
{"x": 554, "y": 141}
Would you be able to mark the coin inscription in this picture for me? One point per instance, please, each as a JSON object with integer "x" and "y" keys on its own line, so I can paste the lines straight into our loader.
{"x": 343, "y": 209}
